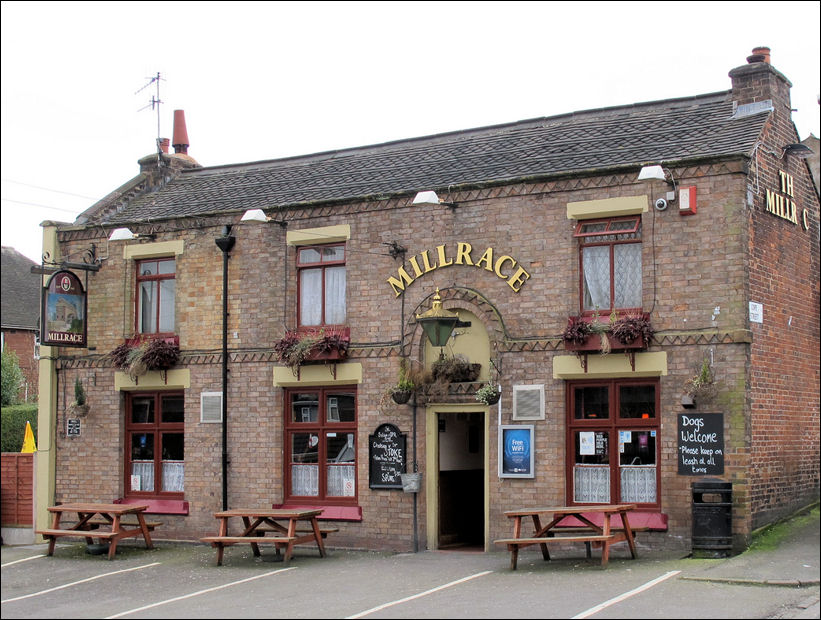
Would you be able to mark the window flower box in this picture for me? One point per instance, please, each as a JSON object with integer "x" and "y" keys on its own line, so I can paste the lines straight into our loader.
{"x": 139, "y": 354}
{"x": 303, "y": 346}
{"x": 629, "y": 332}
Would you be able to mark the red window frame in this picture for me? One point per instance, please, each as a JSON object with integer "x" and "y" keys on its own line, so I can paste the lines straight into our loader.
{"x": 612, "y": 424}
{"x": 156, "y": 428}
{"x": 323, "y": 429}
{"x": 322, "y": 265}
{"x": 158, "y": 278}
{"x": 610, "y": 232}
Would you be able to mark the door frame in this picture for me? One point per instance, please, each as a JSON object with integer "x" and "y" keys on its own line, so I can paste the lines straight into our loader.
{"x": 432, "y": 467}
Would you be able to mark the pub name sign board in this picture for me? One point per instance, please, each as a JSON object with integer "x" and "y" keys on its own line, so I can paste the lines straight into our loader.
{"x": 63, "y": 314}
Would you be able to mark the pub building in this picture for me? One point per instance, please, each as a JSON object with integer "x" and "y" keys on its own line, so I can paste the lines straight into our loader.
{"x": 640, "y": 285}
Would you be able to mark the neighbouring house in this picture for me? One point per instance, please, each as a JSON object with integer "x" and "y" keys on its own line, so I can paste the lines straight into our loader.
{"x": 21, "y": 316}
{"x": 641, "y": 282}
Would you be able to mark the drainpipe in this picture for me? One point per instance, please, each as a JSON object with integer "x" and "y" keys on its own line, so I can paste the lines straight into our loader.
{"x": 225, "y": 243}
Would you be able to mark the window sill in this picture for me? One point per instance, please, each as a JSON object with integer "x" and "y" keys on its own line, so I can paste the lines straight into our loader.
{"x": 329, "y": 512}
{"x": 158, "y": 506}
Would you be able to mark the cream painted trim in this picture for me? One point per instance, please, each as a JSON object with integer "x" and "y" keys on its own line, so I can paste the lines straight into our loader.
{"x": 610, "y": 366}
{"x": 324, "y": 234}
{"x": 608, "y": 207}
{"x": 150, "y": 250}
{"x": 154, "y": 380}
{"x": 319, "y": 374}
{"x": 431, "y": 469}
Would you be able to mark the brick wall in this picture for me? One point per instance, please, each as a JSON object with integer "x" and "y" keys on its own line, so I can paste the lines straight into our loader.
{"x": 691, "y": 266}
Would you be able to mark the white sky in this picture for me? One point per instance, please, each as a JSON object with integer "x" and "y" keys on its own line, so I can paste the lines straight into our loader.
{"x": 274, "y": 79}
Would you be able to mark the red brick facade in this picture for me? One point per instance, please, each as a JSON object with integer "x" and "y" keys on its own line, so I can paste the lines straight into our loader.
{"x": 699, "y": 274}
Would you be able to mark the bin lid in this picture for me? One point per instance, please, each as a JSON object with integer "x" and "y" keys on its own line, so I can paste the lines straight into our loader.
{"x": 711, "y": 484}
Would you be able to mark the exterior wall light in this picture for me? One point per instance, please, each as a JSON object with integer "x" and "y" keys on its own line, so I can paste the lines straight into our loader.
{"x": 125, "y": 234}
{"x": 437, "y": 322}
{"x": 431, "y": 198}
{"x": 800, "y": 151}
{"x": 258, "y": 215}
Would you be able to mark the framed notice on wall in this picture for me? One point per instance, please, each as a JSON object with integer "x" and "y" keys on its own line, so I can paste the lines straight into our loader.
{"x": 700, "y": 444}
{"x": 516, "y": 451}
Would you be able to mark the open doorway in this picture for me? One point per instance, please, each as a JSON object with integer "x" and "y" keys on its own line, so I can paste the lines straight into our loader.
{"x": 461, "y": 481}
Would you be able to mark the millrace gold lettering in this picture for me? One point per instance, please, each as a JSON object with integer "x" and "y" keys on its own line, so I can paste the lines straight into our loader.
{"x": 443, "y": 261}
{"x": 501, "y": 261}
{"x": 463, "y": 251}
{"x": 518, "y": 279}
{"x": 487, "y": 259}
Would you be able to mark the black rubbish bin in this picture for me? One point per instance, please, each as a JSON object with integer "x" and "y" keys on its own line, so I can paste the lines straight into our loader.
{"x": 712, "y": 518}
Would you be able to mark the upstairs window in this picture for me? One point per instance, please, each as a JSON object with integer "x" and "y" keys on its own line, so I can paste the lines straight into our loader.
{"x": 610, "y": 264}
{"x": 156, "y": 291}
{"x": 322, "y": 285}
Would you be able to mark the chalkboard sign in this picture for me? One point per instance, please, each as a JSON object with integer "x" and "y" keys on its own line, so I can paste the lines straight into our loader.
{"x": 387, "y": 449}
{"x": 700, "y": 444}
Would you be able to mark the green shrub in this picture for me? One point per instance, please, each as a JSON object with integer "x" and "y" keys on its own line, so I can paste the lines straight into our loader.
{"x": 12, "y": 378}
{"x": 14, "y": 426}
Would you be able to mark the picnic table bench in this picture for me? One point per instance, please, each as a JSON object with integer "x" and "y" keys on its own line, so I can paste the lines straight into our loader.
{"x": 284, "y": 523}
{"x": 93, "y": 518}
{"x": 600, "y": 535}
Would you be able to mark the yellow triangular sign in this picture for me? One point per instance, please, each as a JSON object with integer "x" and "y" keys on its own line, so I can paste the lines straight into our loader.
{"x": 28, "y": 440}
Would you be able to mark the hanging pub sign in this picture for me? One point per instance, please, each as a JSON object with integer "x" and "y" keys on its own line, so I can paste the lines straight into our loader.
{"x": 388, "y": 457}
{"x": 700, "y": 444}
{"x": 63, "y": 314}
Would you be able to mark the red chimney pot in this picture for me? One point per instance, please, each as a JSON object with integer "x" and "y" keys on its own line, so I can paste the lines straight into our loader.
{"x": 180, "y": 142}
{"x": 760, "y": 54}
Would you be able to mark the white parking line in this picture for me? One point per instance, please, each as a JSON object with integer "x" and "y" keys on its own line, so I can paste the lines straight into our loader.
{"x": 74, "y": 583}
{"x": 34, "y": 557}
{"x": 214, "y": 589}
{"x": 627, "y": 595}
{"x": 421, "y": 594}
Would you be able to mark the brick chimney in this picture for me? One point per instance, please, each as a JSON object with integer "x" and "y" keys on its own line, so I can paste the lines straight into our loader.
{"x": 180, "y": 142}
{"x": 758, "y": 81}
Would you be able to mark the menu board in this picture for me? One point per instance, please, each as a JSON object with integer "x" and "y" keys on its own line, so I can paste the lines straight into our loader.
{"x": 387, "y": 450}
{"x": 700, "y": 444}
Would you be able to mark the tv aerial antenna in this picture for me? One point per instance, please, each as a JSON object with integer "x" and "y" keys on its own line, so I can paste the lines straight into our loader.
{"x": 154, "y": 103}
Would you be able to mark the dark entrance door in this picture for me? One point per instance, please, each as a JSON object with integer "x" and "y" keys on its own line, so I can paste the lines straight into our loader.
{"x": 461, "y": 480}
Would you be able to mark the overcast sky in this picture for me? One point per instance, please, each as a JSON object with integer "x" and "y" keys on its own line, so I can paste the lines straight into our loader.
{"x": 263, "y": 80}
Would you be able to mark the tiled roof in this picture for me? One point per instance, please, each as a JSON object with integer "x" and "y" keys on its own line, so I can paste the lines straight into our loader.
{"x": 578, "y": 143}
{"x": 20, "y": 292}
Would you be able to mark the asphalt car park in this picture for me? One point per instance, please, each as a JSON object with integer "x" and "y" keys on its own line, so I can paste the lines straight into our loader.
{"x": 182, "y": 581}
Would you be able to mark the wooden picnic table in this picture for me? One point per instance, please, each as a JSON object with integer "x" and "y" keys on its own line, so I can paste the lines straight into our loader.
{"x": 108, "y": 526}
{"x": 289, "y": 527}
{"x": 588, "y": 532}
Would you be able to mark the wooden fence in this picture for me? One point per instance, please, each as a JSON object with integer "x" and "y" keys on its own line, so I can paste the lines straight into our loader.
{"x": 17, "y": 502}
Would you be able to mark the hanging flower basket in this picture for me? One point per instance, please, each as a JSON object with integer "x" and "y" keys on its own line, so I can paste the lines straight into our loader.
{"x": 488, "y": 394}
{"x": 401, "y": 397}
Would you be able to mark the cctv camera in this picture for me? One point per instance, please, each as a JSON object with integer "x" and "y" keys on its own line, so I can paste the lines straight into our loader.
{"x": 661, "y": 204}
